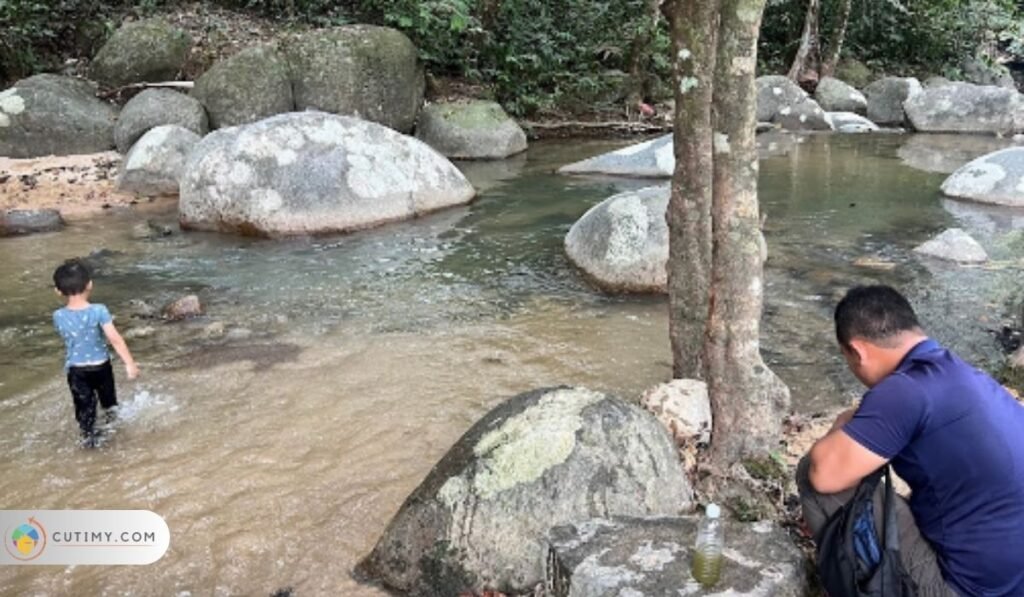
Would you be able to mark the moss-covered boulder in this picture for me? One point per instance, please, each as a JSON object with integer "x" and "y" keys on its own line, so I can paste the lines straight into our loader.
{"x": 360, "y": 70}
{"x": 158, "y": 107}
{"x": 249, "y": 86}
{"x": 143, "y": 51}
{"x": 854, "y": 72}
{"x": 545, "y": 458}
{"x": 50, "y": 114}
{"x": 470, "y": 130}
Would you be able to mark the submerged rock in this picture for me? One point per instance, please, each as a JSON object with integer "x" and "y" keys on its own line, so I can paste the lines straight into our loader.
{"x": 996, "y": 178}
{"x": 470, "y": 130}
{"x": 945, "y": 153}
{"x": 50, "y": 114}
{"x": 144, "y": 51}
{"x": 954, "y": 245}
{"x": 17, "y": 222}
{"x": 247, "y": 87}
{"x": 622, "y": 243}
{"x": 836, "y": 96}
{"x": 652, "y": 557}
{"x": 157, "y": 161}
{"x": 550, "y": 457}
{"x": 185, "y": 307}
{"x": 158, "y": 107}
{"x": 966, "y": 108}
{"x": 885, "y": 99}
{"x": 650, "y": 159}
{"x": 313, "y": 173}
{"x": 365, "y": 71}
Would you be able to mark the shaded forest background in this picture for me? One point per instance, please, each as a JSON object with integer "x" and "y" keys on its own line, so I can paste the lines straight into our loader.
{"x": 546, "y": 56}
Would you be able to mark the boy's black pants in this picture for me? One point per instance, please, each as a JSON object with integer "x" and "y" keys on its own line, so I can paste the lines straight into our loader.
{"x": 88, "y": 383}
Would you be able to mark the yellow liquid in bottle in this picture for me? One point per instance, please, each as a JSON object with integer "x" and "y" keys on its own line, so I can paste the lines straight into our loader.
{"x": 707, "y": 567}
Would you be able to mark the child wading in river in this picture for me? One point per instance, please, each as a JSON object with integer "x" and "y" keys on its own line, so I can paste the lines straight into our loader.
{"x": 87, "y": 363}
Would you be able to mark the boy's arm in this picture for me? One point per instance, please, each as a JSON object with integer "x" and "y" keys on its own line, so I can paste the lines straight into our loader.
{"x": 122, "y": 349}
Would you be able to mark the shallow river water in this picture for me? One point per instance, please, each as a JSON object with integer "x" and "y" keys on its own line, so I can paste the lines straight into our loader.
{"x": 278, "y": 434}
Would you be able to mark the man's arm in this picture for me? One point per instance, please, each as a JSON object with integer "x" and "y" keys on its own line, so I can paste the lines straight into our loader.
{"x": 121, "y": 348}
{"x": 838, "y": 462}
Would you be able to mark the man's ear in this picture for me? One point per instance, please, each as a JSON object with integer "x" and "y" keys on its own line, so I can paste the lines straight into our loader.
{"x": 57, "y": 290}
{"x": 858, "y": 349}
{"x": 88, "y": 286}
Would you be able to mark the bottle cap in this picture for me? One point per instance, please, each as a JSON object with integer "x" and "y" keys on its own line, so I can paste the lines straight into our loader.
{"x": 713, "y": 511}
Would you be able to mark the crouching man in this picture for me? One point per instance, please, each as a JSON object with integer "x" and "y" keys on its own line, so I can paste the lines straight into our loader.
{"x": 950, "y": 431}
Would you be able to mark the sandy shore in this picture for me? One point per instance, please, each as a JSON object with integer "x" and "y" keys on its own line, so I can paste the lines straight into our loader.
{"x": 77, "y": 185}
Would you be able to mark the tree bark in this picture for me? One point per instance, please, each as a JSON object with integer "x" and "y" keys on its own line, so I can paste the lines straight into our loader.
{"x": 828, "y": 67}
{"x": 715, "y": 242}
{"x": 808, "y": 57}
{"x": 692, "y": 24}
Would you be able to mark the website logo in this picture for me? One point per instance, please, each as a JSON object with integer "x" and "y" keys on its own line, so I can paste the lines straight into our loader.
{"x": 27, "y": 540}
{"x": 83, "y": 537}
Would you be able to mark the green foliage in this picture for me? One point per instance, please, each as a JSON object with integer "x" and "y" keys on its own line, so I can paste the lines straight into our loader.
{"x": 320, "y": 12}
{"x": 932, "y": 36}
{"x": 538, "y": 54}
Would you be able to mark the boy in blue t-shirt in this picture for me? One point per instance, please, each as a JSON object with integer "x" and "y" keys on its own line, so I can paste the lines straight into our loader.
{"x": 87, "y": 362}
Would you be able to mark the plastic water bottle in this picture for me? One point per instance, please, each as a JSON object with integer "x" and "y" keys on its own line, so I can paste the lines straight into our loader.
{"x": 707, "y": 552}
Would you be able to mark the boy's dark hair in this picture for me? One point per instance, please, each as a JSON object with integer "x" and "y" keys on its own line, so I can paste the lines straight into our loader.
{"x": 876, "y": 313}
{"x": 72, "y": 277}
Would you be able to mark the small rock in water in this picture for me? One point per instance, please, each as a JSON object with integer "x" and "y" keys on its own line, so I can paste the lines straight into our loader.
{"x": 141, "y": 332}
{"x": 16, "y": 222}
{"x": 150, "y": 229}
{"x": 954, "y": 245}
{"x": 183, "y": 308}
{"x": 214, "y": 330}
{"x": 142, "y": 309}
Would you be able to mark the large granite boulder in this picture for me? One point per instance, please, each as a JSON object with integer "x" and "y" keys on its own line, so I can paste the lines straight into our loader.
{"x": 849, "y": 122}
{"x": 782, "y": 102}
{"x": 804, "y": 116}
{"x": 18, "y": 222}
{"x": 966, "y": 108}
{"x": 545, "y": 458}
{"x": 157, "y": 161}
{"x": 945, "y": 153}
{"x": 621, "y": 244}
{"x": 470, "y": 130}
{"x": 834, "y": 95}
{"x": 249, "y": 86}
{"x": 650, "y": 159}
{"x": 313, "y": 173}
{"x": 358, "y": 70}
{"x": 652, "y": 557}
{"x": 143, "y": 51}
{"x": 775, "y": 92}
{"x": 885, "y": 99}
{"x": 158, "y": 107}
{"x": 51, "y": 114}
{"x": 996, "y": 178}
{"x": 954, "y": 245}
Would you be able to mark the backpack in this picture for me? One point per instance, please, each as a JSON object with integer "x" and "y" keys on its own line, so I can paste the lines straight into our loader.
{"x": 852, "y": 562}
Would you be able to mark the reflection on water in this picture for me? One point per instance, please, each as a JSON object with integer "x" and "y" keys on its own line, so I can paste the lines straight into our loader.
{"x": 279, "y": 433}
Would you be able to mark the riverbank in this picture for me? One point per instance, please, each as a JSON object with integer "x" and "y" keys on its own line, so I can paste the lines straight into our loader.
{"x": 77, "y": 185}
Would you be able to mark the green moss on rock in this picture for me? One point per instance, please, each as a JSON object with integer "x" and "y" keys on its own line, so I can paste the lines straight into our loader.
{"x": 249, "y": 86}
{"x": 145, "y": 51}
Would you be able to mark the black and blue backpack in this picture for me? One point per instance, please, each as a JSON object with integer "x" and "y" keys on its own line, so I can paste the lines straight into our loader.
{"x": 852, "y": 561}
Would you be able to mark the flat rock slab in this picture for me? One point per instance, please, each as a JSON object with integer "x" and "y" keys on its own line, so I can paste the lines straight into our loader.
{"x": 17, "y": 222}
{"x": 650, "y": 159}
{"x": 651, "y": 557}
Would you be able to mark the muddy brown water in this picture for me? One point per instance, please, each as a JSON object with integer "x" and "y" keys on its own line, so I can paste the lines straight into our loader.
{"x": 278, "y": 434}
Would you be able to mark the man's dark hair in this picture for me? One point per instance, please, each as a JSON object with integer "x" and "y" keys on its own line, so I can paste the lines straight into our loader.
{"x": 875, "y": 313}
{"x": 72, "y": 277}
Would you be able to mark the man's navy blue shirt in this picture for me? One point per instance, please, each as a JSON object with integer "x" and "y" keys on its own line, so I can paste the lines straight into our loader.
{"x": 957, "y": 438}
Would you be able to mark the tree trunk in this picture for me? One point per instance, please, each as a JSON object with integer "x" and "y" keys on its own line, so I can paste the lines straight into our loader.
{"x": 689, "y": 210}
{"x": 747, "y": 395}
{"x": 828, "y": 67}
{"x": 715, "y": 242}
{"x": 808, "y": 58}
